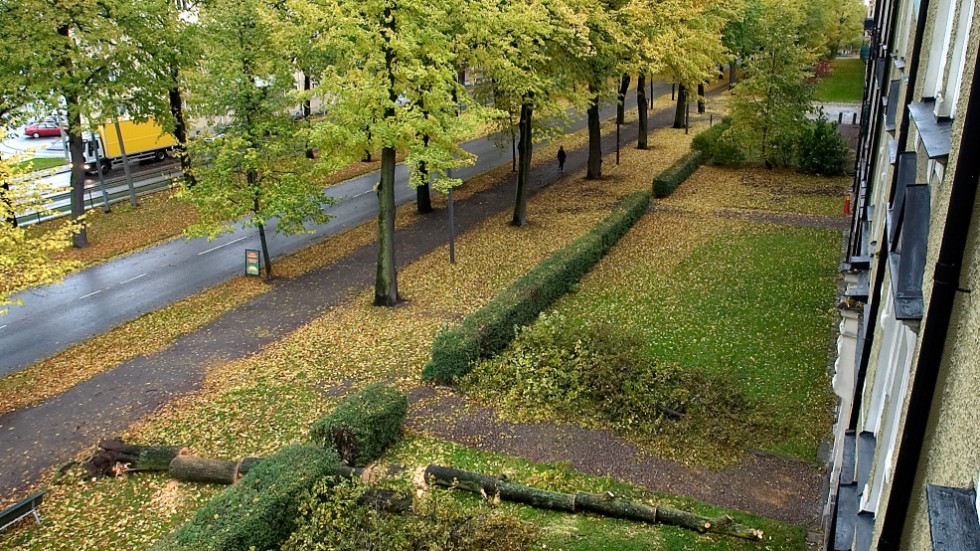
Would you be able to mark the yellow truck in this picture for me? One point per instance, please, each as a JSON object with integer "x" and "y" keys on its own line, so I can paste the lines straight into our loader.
{"x": 142, "y": 141}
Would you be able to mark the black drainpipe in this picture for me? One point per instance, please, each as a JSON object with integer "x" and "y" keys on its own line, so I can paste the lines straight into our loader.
{"x": 946, "y": 282}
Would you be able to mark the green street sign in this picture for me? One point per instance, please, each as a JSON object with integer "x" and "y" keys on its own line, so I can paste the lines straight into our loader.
{"x": 252, "y": 262}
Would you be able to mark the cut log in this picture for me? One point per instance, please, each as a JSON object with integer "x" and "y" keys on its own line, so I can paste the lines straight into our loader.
{"x": 609, "y": 506}
{"x": 602, "y": 504}
{"x": 116, "y": 457}
{"x": 542, "y": 499}
{"x": 684, "y": 519}
{"x": 189, "y": 468}
{"x": 455, "y": 478}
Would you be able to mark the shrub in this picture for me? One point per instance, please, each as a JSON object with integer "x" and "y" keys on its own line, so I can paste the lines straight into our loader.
{"x": 720, "y": 145}
{"x": 364, "y": 424}
{"x": 491, "y": 328}
{"x": 331, "y": 519}
{"x": 821, "y": 149}
{"x": 667, "y": 181}
{"x": 552, "y": 369}
{"x": 259, "y": 511}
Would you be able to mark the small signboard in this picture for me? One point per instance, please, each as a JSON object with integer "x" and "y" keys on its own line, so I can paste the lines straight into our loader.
{"x": 252, "y": 262}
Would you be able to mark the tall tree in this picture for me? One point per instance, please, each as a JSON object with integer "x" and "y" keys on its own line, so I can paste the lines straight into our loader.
{"x": 88, "y": 60}
{"x": 528, "y": 49}
{"x": 772, "y": 101}
{"x": 255, "y": 172}
{"x": 604, "y": 63}
{"x": 394, "y": 75}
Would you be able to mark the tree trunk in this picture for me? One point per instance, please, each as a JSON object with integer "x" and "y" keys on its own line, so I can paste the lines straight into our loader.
{"x": 116, "y": 457}
{"x": 12, "y": 218}
{"x": 253, "y": 181}
{"x": 188, "y": 468}
{"x": 307, "y": 110}
{"x": 385, "y": 286}
{"x": 594, "y": 170}
{"x": 624, "y": 86}
{"x": 732, "y": 69}
{"x": 603, "y": 504}
{"x": 609, "y": 506}
{"x": 180, "y": 128}
{"x": 524, "y": 163}
{"x": 681, "y": 105}
{"x": 77, "y": 152}
{"x": 423, "y": 199}
{"x": 641, "y": 110}
{"x": 701, "y": 98}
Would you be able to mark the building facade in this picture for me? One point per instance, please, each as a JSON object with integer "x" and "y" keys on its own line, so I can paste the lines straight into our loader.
{"x": 906, "y": 458}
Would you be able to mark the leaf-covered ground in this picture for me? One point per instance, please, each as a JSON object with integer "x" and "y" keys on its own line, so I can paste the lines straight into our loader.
{"x": 240, "y": 410}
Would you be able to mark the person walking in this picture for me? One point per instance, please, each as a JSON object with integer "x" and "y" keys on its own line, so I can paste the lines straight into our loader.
{"x": 561, "y": 158}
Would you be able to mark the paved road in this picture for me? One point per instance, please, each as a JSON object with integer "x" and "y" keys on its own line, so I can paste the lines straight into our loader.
{"x": 97, "y": 299}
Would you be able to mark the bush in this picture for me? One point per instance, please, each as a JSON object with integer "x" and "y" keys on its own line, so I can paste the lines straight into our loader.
{"x": 259, "y": 511}
{"x": 331, "y": 519}
{"x": 719, "y": 145}
{"x": 491, "y": 328}
{"x": 821, "y": 149}
{"x": 667, "y": 181}
{"x": 364, "y": 424}
{"x": 555, "y": 370}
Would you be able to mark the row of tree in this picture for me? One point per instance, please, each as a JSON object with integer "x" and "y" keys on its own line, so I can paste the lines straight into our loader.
{"x": 386, "y": 76}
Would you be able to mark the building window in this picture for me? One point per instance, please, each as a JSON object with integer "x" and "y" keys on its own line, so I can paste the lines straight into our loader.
{"x": 955, "y": 62}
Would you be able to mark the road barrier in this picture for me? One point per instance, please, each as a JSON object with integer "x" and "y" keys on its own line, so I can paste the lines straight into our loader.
{"x": 116, "y": 188}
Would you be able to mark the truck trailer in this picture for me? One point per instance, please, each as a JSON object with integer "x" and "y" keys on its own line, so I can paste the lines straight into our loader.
{"x": 143, "y": 141}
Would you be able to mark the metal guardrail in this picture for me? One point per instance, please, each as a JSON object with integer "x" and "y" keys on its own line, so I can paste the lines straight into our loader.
{"x": 117, "y": 189}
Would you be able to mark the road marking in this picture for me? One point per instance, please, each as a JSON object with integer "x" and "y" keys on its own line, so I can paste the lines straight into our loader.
{"x": 363, "y": 193}
{"x": 2, "y": 326}
{"x": 132, "y": 279}
{"x": 212, "y": 249}
{"x": 90, "y": 294}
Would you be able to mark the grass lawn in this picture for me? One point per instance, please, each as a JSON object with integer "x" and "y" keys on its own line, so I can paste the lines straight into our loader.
{"x": 750, "y": 303}
{"x": 41, "y": 163}
{"x": 845, "y": 84}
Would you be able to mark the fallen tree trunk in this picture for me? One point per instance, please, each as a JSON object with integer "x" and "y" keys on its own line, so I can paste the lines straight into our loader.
{"x": 609, "y": 506}
{"x": 189, "y": 468}
{"x": 602, "y": 504}
{"x": 116, "y": 457}
{"x": 490, "y": 486}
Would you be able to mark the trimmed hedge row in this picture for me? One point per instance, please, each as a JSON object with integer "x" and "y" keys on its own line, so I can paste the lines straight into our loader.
{"x": 491, "y": 328}
{"x": 364, "y": 424}
{"x": 258, "y": 512}
{"x": 667, "y": 181}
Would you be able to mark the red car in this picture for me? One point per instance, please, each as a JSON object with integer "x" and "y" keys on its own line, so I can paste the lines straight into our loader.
{"x": 43, "y": 129}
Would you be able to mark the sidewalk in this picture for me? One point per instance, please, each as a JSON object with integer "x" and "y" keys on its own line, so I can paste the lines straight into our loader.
{"x": 53, "y": 432}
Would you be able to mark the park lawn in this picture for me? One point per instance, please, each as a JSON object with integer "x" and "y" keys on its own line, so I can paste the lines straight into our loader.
{"x": 750, "y": 303}
{"x": 41, "y": 163}
{"x": 845, "y": 83}
{"x": 239, "y": 410}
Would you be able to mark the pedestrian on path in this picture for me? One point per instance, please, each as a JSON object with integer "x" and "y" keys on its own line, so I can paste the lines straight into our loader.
{"x": 561, "y": 158}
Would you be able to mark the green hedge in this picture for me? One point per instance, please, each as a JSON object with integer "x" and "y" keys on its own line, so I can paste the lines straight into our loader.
{"x": 364, "y": 424}
{"x": 667, "y": 181}
{"x": 490, "y": 329}
{"x": 259, "y": 511}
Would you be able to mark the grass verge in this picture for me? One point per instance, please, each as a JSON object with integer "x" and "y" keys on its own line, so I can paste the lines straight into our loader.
{"x": 844, "y": 84}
